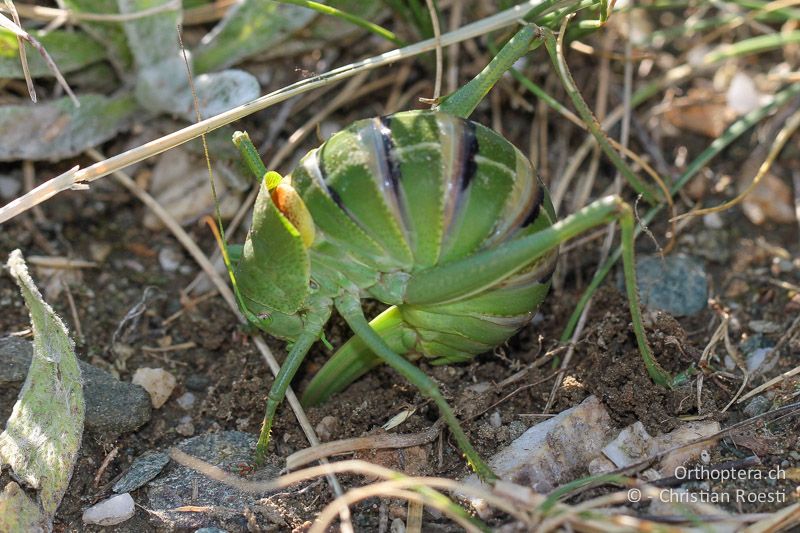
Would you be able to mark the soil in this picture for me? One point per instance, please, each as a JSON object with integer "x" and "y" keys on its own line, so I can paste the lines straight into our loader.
{"x": 230, "y": 379}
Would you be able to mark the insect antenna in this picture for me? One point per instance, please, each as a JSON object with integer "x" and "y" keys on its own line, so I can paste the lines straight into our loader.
{"x": 217, "y": 228}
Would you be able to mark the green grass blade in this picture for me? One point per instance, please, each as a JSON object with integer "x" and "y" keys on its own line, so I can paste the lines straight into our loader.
{"x": 349, "y": 17}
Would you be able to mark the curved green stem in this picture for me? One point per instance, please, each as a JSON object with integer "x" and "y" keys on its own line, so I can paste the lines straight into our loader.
{"x": 353, "y": 19}
{"x": 557, "y": 57}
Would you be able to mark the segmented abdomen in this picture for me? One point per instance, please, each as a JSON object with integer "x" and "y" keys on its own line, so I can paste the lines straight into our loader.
{"x": 419, "y": 189}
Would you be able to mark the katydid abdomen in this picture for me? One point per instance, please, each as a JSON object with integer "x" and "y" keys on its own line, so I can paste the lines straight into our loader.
{"x": 395, "y": 196}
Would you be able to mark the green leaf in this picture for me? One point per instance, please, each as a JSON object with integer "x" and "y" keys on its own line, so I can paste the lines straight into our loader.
{"x": 111, "y": 35}
{"x": 153, "y": 39}
{"x": 57, "y": 130}
{"x": 70, "y": 50}
{"x": 43, "y": 434}
{"x": 249, "y": 28}
{"x": 18, "y": 512}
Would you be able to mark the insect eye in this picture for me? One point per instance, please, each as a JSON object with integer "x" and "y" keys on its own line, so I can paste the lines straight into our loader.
{"x": 313, "y": 285}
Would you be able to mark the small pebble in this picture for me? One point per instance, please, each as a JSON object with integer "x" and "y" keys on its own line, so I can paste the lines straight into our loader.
{"x": 758, "y": 354}
{"x": 742, "y": 95}
{"x": 186, "y": 401}
{"x": 169, "y": 259}
{"x": 495, "y": 420}
{"x": 9, "y": 187}
{"x": 157, "y": 382}
{"x": 111, "y": 511}
{"x": 757, "y": 406}
{"x": 327, "y": 428}
{"x": 713, "y": 221}
{"x": 398, "y": 526}
{"x": 99, "y": 251}
{"x": 757, "y": 359}
{"x": 185, "y": 427}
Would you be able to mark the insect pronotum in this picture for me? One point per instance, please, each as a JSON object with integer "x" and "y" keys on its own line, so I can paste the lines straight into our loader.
{"x": 435, "y": 215}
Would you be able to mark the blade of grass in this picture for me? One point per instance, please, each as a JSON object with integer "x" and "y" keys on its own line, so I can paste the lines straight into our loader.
{"x": 380, "y": 31}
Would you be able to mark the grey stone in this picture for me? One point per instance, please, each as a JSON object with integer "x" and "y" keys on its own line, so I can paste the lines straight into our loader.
{"x": 179, "y": 486}
{"x": 676, "y": 284}
{"x": 112, "y": 407}
{"x": 197, "y": 382}
{"x": 757, "y": 406}
{"x": 143, "y": 469}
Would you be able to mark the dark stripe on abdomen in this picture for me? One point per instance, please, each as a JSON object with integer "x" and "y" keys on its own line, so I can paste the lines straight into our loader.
{"x": 392, "y": 164}
{"x": 533, "y": 212}
{"x": 470, "y": 148}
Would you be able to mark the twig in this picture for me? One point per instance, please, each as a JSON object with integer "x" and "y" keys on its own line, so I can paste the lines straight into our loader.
{"x": 414, "y": 517}
{"x": 437, "y": 36}
{"x": 172, "y": 348}
{"x": 104, "y": 465}
{"x": 51, "y": 13}
{"x": 372, "y": 442}
{"x": 23, "y": 35}
{"x": 65, "y": 263}
{"x": 23, "y": 55}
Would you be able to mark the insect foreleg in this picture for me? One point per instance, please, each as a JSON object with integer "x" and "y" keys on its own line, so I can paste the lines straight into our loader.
{"x": 484, "y": 269}
{"x": 349, "y": 306}
{"x": 315, "y": 320}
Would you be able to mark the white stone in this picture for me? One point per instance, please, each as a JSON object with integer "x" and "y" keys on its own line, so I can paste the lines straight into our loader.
{"x": 677, "y": 440}
{"x": 742, "y": 95}
{"x": 9, "y": 187}
{"x": 538, "y": 459}
{"x": 169, "y": 259}
{"x": 157, "y": 382}
{"x": 186, "y": 401}
{"x": 111, "y": 511}
{"x": 632, "y": 445}
{"x": 713, "y": 221}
